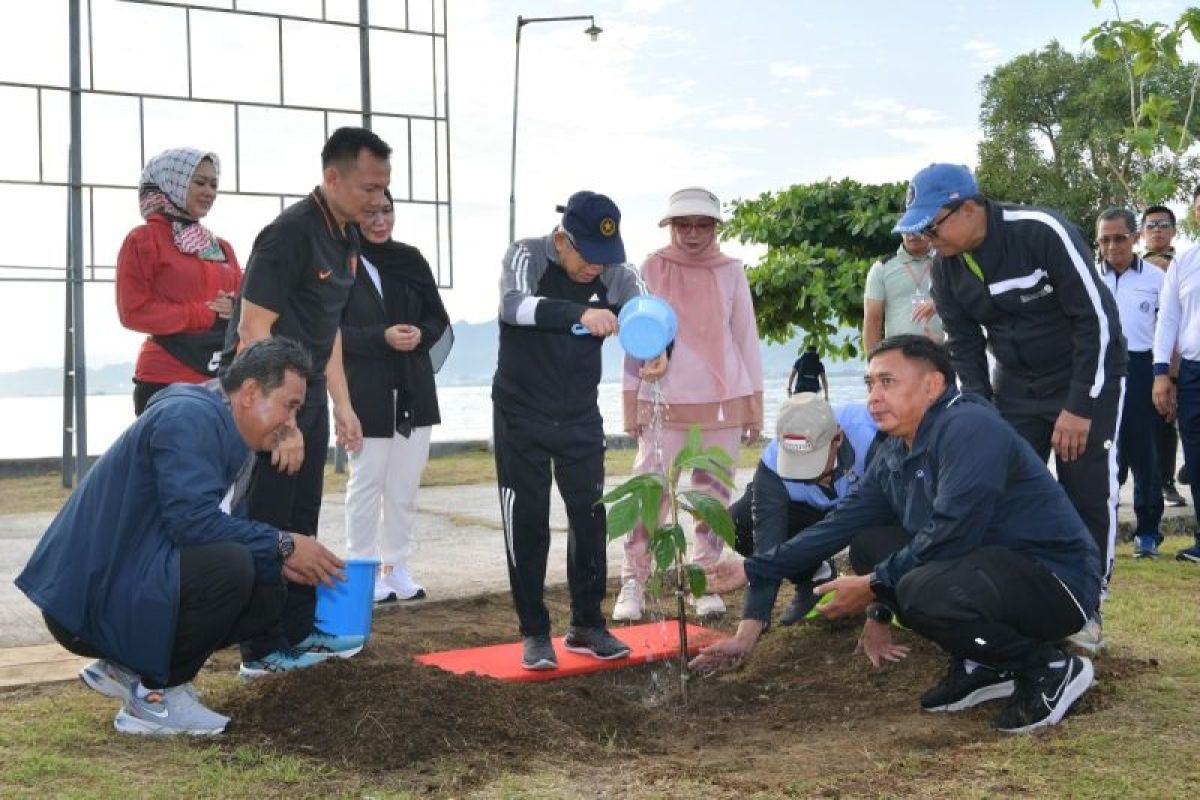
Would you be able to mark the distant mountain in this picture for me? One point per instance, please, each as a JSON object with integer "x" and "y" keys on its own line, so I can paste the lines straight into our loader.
{"x": 471, "y": 363}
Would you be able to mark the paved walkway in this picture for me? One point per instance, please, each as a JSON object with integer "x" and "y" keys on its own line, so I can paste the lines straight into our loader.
{"x": 459, "y": 552}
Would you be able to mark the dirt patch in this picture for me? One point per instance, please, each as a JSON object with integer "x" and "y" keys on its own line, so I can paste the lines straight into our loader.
{"x": 800, "y": 711}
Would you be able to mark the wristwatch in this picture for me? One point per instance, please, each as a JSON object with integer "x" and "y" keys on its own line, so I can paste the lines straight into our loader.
{"x": 286, "y": 545}
{"x": 879, "y": 612}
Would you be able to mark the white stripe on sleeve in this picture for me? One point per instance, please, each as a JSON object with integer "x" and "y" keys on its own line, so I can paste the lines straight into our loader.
{"x": 1089, "y": 286}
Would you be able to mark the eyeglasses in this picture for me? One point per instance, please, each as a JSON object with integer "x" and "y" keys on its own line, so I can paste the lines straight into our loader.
{"x": 1158, "y": 225}
{"x": 1115, "y": 238}
{"x": 700, "y": 226}
{"x": 930, "y": 231}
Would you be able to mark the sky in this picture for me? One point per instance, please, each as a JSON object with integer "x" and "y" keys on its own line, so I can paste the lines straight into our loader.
{"x": 740, "y": 98}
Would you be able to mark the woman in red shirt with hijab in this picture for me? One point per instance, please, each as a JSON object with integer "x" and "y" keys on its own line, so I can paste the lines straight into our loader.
{"x": 175, "y": 279}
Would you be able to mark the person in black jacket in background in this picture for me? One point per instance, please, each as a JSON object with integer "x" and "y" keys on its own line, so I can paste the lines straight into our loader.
{"x": 1018, "y": 281}
{"x": 395, "y": 336}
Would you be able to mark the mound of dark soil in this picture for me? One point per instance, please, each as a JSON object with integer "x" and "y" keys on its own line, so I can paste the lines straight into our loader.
{"x": 382, "y": 712}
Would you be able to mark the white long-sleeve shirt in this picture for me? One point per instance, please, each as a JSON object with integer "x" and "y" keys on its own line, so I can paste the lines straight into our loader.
{"x": 1179, "y": 311}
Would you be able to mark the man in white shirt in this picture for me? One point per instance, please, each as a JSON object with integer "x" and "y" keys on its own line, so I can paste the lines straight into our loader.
{"x": 1135, "y": 285}
{"x": 1179, "y": 330}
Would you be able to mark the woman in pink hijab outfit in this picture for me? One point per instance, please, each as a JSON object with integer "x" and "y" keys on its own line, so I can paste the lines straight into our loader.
{"x": 714, "y": 379}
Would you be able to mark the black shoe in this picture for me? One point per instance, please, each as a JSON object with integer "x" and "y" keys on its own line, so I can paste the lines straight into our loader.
{"x": 538, "y": 653}
{"x": 960, "y": 690}
{"x": 1172, "y": 496}
{"x": 805, "y": 599}
{"x": 1044, "y": 696}
{"x": 1191, "y": 554}
{"x": 595, "y": 642}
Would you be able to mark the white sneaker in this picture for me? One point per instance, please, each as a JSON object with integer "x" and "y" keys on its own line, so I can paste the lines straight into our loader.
{"x": 397, "y": 585}
{"x": 710, "y": 605}
{"x": 631, "y": 602}
{"x": 1089, "y": 638}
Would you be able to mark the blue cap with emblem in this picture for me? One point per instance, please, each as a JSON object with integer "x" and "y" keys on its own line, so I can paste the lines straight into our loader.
{"x": 932, "y": 188}
{"x": 593, "y": 223}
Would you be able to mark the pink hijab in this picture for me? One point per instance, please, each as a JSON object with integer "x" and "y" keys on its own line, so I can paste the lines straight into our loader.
{"x": 689, "y": 283}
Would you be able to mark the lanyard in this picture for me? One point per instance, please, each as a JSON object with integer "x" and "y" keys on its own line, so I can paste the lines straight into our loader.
{"x": 917, "y": 280}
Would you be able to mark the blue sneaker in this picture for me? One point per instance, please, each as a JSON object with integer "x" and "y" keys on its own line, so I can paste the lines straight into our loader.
{"x": 280, "y": 661}
{"x": 1145, "y": 545}
{"x": 329, "y": 644}
{"x": 1192, "y": 554}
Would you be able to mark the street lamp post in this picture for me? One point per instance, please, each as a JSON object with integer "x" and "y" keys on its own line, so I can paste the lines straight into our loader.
{"x": 593, "y": 32}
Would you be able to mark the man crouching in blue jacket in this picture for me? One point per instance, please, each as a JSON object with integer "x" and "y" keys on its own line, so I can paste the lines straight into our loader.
{"x": 986, "y": 556}
{"x": 145, "y": 569}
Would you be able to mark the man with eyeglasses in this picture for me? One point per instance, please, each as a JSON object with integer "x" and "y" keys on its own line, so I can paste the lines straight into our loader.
{"x": 1135, "y": 286}
{"x": 559, "y": 296}
{"x": 896, "y": 299}
{"x": 1018, "y": 281}
{"x": 1158, "y": 232}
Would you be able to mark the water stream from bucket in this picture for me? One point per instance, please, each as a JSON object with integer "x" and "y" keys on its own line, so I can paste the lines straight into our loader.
{"x": 659, "y": 687}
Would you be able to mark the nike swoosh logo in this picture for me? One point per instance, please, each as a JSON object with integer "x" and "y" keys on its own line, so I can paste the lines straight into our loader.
{"x": 1052, "y": 699}
{"x": 160, "y": 714}
{"x": 324, "y": 274}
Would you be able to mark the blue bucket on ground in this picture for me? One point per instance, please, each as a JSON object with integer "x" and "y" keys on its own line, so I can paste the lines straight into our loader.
{"x": 648, "y": 325}
{"x": 346, "y": 608}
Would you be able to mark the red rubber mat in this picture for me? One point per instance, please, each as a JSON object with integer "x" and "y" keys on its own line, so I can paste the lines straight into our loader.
{"x": 652, "y": 641}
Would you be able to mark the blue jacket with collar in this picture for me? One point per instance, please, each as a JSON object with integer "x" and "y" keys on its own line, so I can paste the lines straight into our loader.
{"x": 969, "y": 481}
{"x": 107, "y": 568}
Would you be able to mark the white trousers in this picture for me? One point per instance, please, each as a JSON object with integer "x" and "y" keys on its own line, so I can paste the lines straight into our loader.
{"x": 381, "y": 496}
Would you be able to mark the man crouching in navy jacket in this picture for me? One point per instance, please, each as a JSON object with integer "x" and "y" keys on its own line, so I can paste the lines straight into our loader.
{"x": 145, "y": 567}
{"x": 960, "y": 530}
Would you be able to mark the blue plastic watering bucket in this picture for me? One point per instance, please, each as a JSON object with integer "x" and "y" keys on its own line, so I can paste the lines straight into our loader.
{"x": 648, "y": 325}
{"x": 346, "y": 608}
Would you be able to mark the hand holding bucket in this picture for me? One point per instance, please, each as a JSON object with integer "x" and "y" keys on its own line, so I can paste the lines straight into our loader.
{"x": 648, "y": 325}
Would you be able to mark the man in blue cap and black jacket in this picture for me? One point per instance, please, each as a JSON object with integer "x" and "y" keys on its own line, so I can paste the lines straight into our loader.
{"x": 1018, "y": 281}
{"x": 559, "y": 299}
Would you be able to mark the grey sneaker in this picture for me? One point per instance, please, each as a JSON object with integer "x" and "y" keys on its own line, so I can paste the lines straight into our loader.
{"x": 1089, "y": 638}
{"x": 538, "y": 653}
{"x": 108, "y": 678}
{"x": 595, "y": 642}
{"x": 169, "y": 712}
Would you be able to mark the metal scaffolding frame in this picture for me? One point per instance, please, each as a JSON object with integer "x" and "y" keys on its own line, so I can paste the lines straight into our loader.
{"x": 80, "y": 270}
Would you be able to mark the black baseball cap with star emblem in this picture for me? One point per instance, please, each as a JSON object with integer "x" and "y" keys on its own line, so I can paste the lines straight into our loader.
{"x": 593, "y": 223}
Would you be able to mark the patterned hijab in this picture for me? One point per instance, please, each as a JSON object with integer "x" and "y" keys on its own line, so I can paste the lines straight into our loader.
{"x": 163, "y": 190}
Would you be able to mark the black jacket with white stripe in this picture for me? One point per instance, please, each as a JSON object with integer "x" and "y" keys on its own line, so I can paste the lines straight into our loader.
{"x": 545, "y": 371}
{"x": 1041, "y": 310}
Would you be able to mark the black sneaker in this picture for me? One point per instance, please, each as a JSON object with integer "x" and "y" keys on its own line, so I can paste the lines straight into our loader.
{"x": 960, "y": 690}
{"x": 538, "y": 653}
{"x": 1172, "y": 497}
{"x": 1044, "y": 696}
{"x": 595, "y": 642}
{"x": 805, "y": 600}
{"x": 1191, "y": 554}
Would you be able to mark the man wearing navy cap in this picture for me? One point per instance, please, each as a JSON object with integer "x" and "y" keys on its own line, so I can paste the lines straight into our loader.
{"x": 559, "y": 297}
{"x": 1018, "y": 281}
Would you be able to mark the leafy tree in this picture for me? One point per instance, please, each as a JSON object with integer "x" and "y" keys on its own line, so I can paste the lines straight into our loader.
{"x": 821, "y": 239}
{"x": 1085, "y": 132}
{"x": 1160, "y": 118}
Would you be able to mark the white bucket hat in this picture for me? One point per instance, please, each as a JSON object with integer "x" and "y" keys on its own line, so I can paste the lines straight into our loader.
{"x": 692, "y": 202}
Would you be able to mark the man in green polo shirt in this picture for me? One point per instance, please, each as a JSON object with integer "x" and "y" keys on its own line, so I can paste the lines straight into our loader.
{"x": 897, "y": 296}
